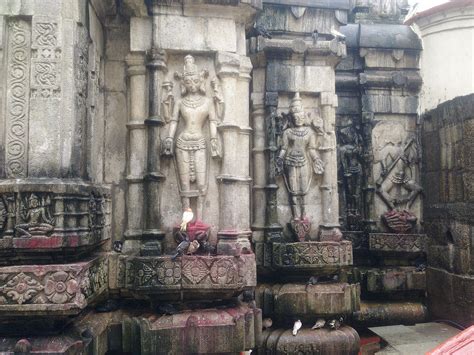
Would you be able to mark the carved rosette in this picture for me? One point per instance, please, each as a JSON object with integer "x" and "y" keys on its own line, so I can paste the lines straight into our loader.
{"x": 195, "y": 272}
{"x": 52, "y": 290}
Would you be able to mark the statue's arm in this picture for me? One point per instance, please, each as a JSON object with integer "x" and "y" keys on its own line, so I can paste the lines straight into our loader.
{"x": 167, "y": 148}
{"x": 215, "y": 150}
{"x": 318, "y": 165}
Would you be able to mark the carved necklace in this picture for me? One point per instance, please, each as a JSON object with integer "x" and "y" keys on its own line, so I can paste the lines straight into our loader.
{"x": 192, "y": 103}
{"x": 298, "y": 132}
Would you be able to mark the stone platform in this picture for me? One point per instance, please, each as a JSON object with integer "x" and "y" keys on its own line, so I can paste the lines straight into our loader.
{"x": 283, "y": 302}
{"x": 345, "y": 340}
{"x": 57, "y": 290}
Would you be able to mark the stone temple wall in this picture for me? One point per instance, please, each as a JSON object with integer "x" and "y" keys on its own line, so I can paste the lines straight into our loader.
{"x": 448, "y": 178}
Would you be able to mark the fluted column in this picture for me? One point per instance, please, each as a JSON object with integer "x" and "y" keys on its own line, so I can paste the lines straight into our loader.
{"x": 153, "y": 178}
{"x": 136, "y": 160}
{"x": 329, "y": 192}
{"x": 234, "y": 190}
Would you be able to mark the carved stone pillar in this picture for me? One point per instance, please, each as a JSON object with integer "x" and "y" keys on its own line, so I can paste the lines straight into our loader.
{"x": 137, "y": 146}
{"x": 329, "y": 191}
{"x": 157, "y": 69}
{"x": 234, "y": 179}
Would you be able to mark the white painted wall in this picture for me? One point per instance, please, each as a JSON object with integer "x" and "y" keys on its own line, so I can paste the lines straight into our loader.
{"x": 447, "y": 62}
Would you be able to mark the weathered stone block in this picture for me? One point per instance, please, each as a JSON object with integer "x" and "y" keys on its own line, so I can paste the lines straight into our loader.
{"x": 229, "y": 330}
{"x": 312, "y": 255}
{"x": 45, "y": 217}
{"x": 199, "y": 276}
{"x": 387, "y": 313}
{"x": 283, "y": 302}
{"x": 441, "y": 256}
{"x": 397, "y": 279}
{"x": 396, "y": 243}
{"x": 450, "y": 296}
{"x": 52, "y": 290}
{"x": 345, "y": 340}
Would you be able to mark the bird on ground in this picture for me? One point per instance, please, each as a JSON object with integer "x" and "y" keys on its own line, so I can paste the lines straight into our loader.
{"x": 335, "y": 324}
{"x": 338, "y": 35}
{"x": 267, "y": 323}
{"x": 259, "y": 30}
{"x": 320, "y": 322}
{"x": 181, "y": 249}
{"x": 193, "y": 247}
{"x": 188, "y": 216}
{"x": 297, "y": 326}
{"x": 208, "y": 247}
{"x": 118, "y": 246}
{"x": 313, "y": 280}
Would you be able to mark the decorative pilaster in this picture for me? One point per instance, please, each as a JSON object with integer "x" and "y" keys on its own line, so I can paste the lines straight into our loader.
{"x": 330, "y": 201}
{"x": 273, "y": 229}
{"x": 136, "y": 161}
{"x": 234, "y": 220}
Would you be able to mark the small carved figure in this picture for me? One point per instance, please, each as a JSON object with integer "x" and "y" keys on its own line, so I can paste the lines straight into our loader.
{"x": 36, "y": 214}
{"x": 298, "y": 160}
{"x": 191, "y": 148}
{"x": 167, "y": 104}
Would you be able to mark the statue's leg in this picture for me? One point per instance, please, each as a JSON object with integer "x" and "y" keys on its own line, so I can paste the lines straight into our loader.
{"x": 182, "y": 161}
{"x": 201, "y": 179}
{"x": 303, "y": 183}
{"x": 293, "y": 187}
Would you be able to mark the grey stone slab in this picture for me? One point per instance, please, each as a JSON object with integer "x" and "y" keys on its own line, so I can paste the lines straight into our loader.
{"x": 416, "y": 339}
{"x": 324, "y": 4}
{"x": 389, "y": 36}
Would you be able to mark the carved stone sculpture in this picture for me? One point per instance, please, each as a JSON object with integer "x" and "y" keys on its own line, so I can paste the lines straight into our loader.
{"x": 190, "y": 147}
{"x": 350, "y": 165}
{"x": 36, "y": 214}
{"x": 297, "y": 161}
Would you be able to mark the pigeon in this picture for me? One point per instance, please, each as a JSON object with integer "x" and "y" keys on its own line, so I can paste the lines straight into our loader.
{"x": 188, "y": 216}
{"x": 267, "y": 323}
{"x": 313, "y": 280}
{"x": 193, "y": 247}
{"x": 335, "y": 324}
{"x": 338, "y": 35}
{"x": 259, "y": 30}
{"x": 208, "y": 247}
{"x": 421, "y": 267}
{"x": 297, "y": 326}
{"x": 108, "y": 306}
{"x": 320, "y": 322}
{"x": 181, "y": 249}
{"x": 166, "y": 309}
{"x": 118, "y": 245}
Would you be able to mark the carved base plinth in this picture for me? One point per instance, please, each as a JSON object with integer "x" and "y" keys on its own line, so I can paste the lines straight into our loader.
{"x": 388, "y": 280}
{"x": 285, "y": 302}
{"x": 389, "y": 313}
{"x": 51, "y": 290}
{"x": 43, "y": 218}
{"x": 344, "y": 340}
{"x": 397, "y": 243}
{"x": 312, "y": 256}
{"x": 227, "y": 330}
{"x": 200, "y": 276}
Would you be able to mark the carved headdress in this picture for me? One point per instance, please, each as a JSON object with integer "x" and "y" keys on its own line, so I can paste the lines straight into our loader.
{"x": 296, "y": 104}
{"x": 190, "y": 69}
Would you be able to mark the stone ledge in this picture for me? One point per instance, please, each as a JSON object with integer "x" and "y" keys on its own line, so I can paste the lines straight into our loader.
{"x": 200, "y": 276}
{"x": 345, "y": 340}
{"x": 397, "y": 243}
{"x": 284, "y": 301}
{"x": 390, "y": 313}
{"x": 227, "y": 330}
{"x": 52, "y": 290}
{"x": 312, "y": 255}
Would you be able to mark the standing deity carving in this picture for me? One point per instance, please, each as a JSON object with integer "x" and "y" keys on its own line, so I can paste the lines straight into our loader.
{"x": 297, "y": 161}
{"x": 350, "y": 166}
{"x": 194, "y": 112}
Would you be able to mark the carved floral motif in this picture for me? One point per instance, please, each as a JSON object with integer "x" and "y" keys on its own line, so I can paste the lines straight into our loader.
{"x": 21, "y": 288}
{"x": 61, "y": 287}
{"x": 397, "y": 242}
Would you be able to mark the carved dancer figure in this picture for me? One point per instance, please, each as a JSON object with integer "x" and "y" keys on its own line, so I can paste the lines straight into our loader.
{"x": 37, "y": 217}
{"x": 194, "y": 109}
{"x": 298, "y": 160}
